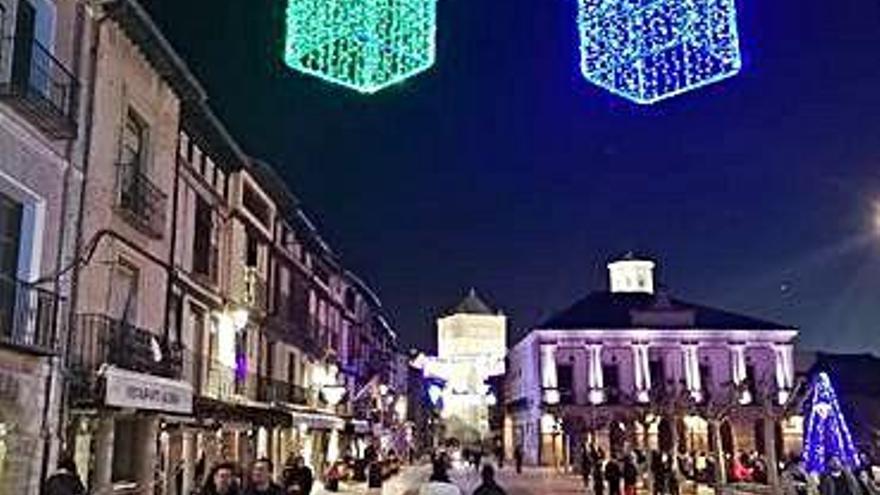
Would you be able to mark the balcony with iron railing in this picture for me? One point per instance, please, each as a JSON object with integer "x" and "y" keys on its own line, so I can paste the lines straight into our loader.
{"x": 28, "y": 316}
{"x": 98, "y": 340}
{"x": 140, "y": 201}
{"x": 273, "y": 390}
{"x": 39, "y": 86}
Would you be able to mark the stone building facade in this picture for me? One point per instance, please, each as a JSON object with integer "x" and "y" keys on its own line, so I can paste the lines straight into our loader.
{"x": 39, "y": 181}
{"x": 634, "y": 368}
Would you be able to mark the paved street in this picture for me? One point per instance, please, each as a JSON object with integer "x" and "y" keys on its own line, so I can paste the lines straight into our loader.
{"x": 531, "y": 481}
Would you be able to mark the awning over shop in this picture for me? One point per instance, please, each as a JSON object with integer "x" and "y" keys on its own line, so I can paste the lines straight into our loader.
{"x": 317, "y": 420}
{"x": 212, "y": 409}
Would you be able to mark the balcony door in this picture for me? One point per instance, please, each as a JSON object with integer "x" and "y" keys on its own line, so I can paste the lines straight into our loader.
{"x": 23, "y": 51}
{"x": 124, "y": 292}
{"x": 10, "y": 240}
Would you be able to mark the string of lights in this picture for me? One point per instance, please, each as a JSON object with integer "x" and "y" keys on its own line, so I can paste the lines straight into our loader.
{"x": 826, "y": 433}
{"x": 646, "y": 51}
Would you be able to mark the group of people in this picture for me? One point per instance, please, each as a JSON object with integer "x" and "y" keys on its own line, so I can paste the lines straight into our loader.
{"x": 226, "y": 479}
{"x": 439, "y": 482}
{"x": 619, "y": 474}
{"x": 836, "y": 480}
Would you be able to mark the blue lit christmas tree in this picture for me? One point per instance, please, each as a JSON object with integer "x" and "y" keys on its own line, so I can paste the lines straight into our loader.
{"x": 826, "y": 434}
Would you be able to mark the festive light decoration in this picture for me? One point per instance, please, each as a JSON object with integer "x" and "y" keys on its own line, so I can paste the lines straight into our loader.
{"x": 365, "y": 45}
{"x": 647, "y": 51}
{"x": 826, "y": 434}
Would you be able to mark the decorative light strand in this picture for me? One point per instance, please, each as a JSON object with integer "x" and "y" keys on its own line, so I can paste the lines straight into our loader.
{"x": 366, "y": 45}
{"x": 649, "y": 50}
{"x": 826, "y": 434}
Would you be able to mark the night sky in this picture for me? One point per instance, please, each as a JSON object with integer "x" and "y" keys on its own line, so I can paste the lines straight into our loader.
{"x": 502, "y": 169}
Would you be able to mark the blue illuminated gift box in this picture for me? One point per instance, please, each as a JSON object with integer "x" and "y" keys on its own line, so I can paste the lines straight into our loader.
{"x": 648, "y": 50}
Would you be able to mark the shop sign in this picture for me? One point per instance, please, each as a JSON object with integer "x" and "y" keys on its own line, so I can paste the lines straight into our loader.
{"x": 133, "y": 390}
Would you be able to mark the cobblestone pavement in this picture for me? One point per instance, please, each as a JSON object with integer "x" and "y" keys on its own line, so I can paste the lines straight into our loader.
{"x": 530, "y": 482}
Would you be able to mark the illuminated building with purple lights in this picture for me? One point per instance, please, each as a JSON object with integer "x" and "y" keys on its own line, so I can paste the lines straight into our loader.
{"x": 632, "y": 367}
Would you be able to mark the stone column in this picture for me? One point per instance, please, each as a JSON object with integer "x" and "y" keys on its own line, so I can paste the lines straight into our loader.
{"x": 738, "y": 369}
{"x": 718, "y": 452}
{"x": 784, "y": 371}
{"x": 549, "y": 383}
{"x": 103, "y": 482}
{"x": 770, "y": 449}
{"x": 642, "y": 368}
{"x": 188, "y": 453}
{"x": 146, "y": 453}
{"x": 691, "y": 361}
{"x": 597, "y": 382}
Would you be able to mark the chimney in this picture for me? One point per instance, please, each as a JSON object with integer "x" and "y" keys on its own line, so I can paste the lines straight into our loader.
{"x": 631, "y": 275}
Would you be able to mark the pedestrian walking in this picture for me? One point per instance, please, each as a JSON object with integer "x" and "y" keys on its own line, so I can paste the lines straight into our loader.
{"x": 614, "y": 475}
{"x": 586, "y": 465}
{"x": 518, "y": 458}
{"x": 261, "y": 479}
{"x": 221, "y": 481}
{"x": 374, "y": 475}
{"x": 439, "y": 483}
{"x": 630, "y": 475}
{"x": 489, "y": 486}
{"x": 599, "y": 475}
{"x": 64, "y": 481}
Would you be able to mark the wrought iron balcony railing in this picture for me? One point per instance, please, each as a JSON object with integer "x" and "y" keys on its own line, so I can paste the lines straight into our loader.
{"x": 98, "y": 339}
{"x": 28, "y": 316}
{"x": 39, "y": 86}
{"x": 272, "y": 390}
{"x": 140, "y": 201}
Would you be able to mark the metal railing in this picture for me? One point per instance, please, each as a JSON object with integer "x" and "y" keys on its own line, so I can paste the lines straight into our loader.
{"x": 28, "y": 315}
{"x": 45, "y": 89}
{"x": 99, "y": 339}
{"x": 141, "y": 201}
{"x": 272, "y": 390}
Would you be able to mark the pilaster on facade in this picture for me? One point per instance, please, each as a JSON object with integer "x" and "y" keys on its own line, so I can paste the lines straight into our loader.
{"x": 549, "y": 380}
{"x": 642, "y": 371}
{"x": 691, "y": 365}
{"x": 596, "y": 394}
{"x": 739, "y": 372}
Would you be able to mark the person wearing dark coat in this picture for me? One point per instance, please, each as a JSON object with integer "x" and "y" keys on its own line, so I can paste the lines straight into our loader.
{"x": 65, "y": 481}
{"x": 518, "y": 458}
{"x": 613, "y": 475}
{"x": 221, "y": 481}
{"x": 374, "y": 475}
{"x": 586, "y": 465}
{"x": 598, "y": 477}
{"x": 261, "y": 479}
{"x": 837, "y": 480}
{"x": 630, "y": 475}
{"x": 489, "y": 486}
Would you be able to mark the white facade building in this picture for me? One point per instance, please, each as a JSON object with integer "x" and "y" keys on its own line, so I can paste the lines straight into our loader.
{"x": 471, "y": 344}
{"x": 634, "y": 368}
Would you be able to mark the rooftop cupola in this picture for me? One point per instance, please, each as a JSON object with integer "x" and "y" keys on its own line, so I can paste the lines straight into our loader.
{"x": 631, "y": 274}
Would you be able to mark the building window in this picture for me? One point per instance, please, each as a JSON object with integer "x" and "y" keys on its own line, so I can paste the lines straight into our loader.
{"x": 565, "y": 383}
{"x": 255, "y": 205}
{"x": 611, "y": 377}
{"x": 205, "y": 252}
{"x": 135, "y": 135}
{"x": 124, "y": 291}
{"x": 252, "y": 250}
{"x": 10, "y": 232}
